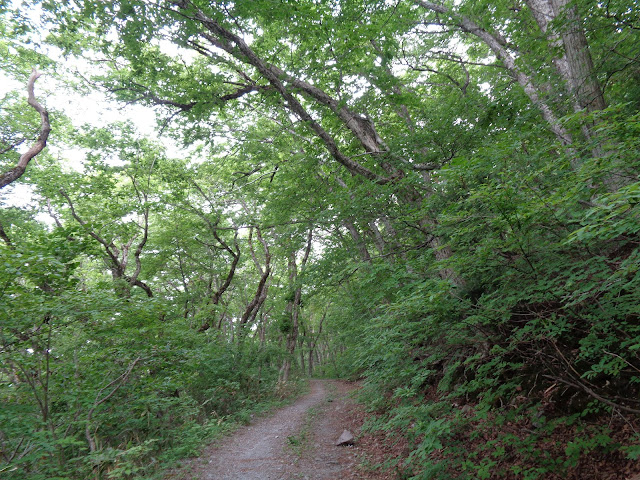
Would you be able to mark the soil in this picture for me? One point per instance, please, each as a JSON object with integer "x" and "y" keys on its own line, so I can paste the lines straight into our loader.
{"x": 295, "y": 442}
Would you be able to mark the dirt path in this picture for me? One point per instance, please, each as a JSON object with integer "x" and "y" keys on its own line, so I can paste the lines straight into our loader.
{"x": 296, "y": 442}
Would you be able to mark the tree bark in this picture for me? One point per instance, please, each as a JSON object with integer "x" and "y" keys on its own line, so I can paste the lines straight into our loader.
{"x": 582, "y": 78}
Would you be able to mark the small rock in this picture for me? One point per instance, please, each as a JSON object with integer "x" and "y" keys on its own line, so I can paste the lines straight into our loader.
{"x": 345, "y": 439}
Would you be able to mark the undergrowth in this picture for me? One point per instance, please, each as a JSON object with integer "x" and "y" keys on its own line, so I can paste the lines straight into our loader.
{"x": 529, "y": 369}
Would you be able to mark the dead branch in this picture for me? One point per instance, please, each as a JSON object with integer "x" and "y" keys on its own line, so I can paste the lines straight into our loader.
{"x": 581, "y": 386}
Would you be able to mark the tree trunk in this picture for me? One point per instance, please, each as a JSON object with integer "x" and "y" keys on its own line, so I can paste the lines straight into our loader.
{"x": 251, "y": 311}
{"x": 303, "y": 367}
{"x": 217, "y": 295}
{"x": 357, "y": 239}
{"x": 582, "y": 78}
{"x": 378, "y": 239}
{"x": 293, "y": 308}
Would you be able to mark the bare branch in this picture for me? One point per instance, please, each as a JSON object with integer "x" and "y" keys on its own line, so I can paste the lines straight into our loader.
{"x": 581, "y": 386}
{"x": 17, "y": 171}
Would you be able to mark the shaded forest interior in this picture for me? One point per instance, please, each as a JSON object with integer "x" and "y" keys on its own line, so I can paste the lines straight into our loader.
{"x": 440, "y": 199}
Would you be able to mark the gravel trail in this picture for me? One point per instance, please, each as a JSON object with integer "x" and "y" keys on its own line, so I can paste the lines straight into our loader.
{"x": 295, "y": 442}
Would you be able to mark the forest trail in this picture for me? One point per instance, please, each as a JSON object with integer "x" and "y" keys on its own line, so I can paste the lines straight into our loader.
{"x": 295, "y": 442}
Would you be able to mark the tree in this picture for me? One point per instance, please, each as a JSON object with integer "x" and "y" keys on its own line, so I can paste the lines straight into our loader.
{"x": 438, "y": 197}
{"x": 113, "y": 203}
{"x": 291, "y": 326}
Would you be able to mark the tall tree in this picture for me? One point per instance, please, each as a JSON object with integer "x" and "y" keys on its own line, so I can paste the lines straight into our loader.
{"x": 294, "y": 303}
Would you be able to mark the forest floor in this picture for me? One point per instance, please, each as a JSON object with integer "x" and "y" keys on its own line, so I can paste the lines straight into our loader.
{"x": 294, "y": 442}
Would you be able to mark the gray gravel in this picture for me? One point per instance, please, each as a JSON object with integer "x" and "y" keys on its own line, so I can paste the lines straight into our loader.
{"x": 261, "y": 451}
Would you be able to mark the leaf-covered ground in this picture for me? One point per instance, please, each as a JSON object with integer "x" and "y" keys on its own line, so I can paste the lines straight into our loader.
{"x": 383, "y": 454}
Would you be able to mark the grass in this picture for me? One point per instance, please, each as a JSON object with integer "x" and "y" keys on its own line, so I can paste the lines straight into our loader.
{"x": 300, "y": 441}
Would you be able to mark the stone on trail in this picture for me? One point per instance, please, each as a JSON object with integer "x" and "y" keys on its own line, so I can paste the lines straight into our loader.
{"x": 345, "y": 439}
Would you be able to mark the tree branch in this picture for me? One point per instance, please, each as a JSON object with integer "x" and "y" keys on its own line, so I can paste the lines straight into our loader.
{"x": 581, "y": 386}
{"x": 499, "y": 47}
{"x": 260, "y": 296}
{"x": 236, "y": 46}
{"x": 107, "y": 245}
{"x": 5, "y": 238}
{"x": 17, "y": 171}
{"x": 145, "y": 235}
